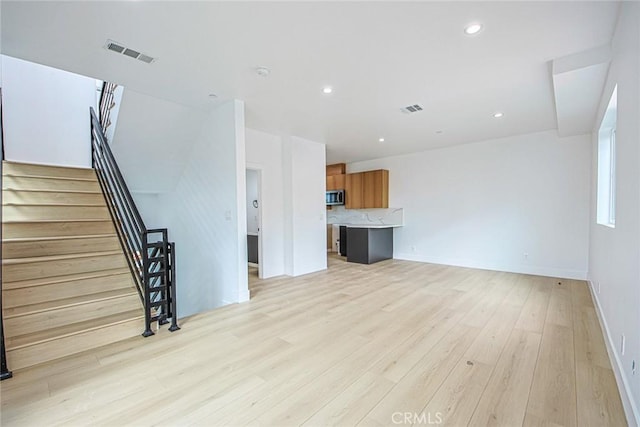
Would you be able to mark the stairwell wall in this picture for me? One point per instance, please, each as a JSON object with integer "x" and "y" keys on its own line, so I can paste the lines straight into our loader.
{"x": 46, "y": 114}
{"x": 206, "y": 216}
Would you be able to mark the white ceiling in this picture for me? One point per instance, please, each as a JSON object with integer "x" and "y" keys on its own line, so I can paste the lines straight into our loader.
{"x": 377, "y": 56}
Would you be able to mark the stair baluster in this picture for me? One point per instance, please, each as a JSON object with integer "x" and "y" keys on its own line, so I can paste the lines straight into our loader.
{"x": 150, "y": 255}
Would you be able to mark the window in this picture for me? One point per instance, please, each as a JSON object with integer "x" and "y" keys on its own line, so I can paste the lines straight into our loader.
{"x": 606, "y": 201}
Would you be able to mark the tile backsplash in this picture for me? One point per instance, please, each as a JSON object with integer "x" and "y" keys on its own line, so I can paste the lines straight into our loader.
{"x": 390, "y": 216}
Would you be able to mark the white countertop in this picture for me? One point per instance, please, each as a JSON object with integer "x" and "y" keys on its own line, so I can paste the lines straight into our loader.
{"x": 369, "y": 225}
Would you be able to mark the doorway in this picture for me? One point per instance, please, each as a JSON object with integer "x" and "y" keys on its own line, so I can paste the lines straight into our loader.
{"x": 254, "y": 222}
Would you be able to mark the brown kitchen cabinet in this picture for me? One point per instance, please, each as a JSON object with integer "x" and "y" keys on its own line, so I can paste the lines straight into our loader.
{"x": 336, "y": 169}
{"x": 335, "y": 182}
{"x": 368, "y": 189}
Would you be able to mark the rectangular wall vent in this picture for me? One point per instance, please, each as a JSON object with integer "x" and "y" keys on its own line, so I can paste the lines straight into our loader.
{"x": 120, "y": 48}
{"x": 412, "y": 109}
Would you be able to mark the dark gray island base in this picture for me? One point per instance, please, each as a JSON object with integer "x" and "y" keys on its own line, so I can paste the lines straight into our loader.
{"x": 369, "y": 245}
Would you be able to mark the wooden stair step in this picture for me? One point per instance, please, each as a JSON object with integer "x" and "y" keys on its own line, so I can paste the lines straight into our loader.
{"x": 53, "y": 212}
{"x": 32, "y": 268}
{"x": 53, "y": 238}
{"x": 69, "y": 330}
{"x": 53, "y": 291}
{"x": 46, "y": 281}
{"x": 34, "y": 169}
{"x": 48, "y": 183}
{"x": 56, "y": 178}
{"x": 55, "y": 257}
{"x": 36, "y": 348}
{"x": 29, "y": 309}
{"x": 43, "y": 318}
{"x": 51, "y": 228}
{"x": 59, "y": 245}
{"x": 30, "y": 197}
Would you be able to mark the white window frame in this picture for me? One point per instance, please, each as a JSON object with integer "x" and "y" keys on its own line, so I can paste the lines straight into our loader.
{"x": 606, "y": 190}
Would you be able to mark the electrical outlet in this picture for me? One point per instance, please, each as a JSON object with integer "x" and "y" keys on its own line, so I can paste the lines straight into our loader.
{"x": 413, "y": 248}
{"x": 623, "y": 343}
{"x": 525, "y": 255}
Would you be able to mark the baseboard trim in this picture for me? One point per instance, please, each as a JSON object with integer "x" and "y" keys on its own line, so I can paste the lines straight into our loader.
{"x": 244, "y": 295}
{"x": 521, "y": 269}
{"x": 630, "y": 409}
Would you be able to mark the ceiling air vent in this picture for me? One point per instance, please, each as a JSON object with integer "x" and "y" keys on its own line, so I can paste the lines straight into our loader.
{"x": 115, "y": 47}
{"x": 412, "y": 109}
{"x": 145, "y": 58}
{"x": 119, "y": 48}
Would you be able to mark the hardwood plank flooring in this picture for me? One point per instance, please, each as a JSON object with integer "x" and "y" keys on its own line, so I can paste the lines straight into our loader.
{"x": 394, "y": 343}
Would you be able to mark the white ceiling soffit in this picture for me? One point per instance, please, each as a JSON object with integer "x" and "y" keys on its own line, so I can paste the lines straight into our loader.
{"x": 578, "y": 80}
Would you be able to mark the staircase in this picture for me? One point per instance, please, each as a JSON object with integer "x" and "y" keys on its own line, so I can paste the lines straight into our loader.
{"x": 66, "y": 284}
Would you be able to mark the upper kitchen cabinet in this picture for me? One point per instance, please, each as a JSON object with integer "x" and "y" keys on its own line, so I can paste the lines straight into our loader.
{"x": 337, "y": 169}
{"x": 336, "y": 176}
{"x": 335, "y": 182}
{"x": 368, "y": 189}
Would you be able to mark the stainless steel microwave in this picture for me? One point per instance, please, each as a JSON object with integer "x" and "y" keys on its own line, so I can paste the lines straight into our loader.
{"x": 335, "y": 197}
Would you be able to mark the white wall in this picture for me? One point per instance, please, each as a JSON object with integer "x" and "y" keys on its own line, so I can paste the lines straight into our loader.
{"x": 264, "y": 152}
{"x": 148, "y": 205}
{"x": 293, "y": 229}
{"x": 252, "y": 194}
{"x": 487, "y": 204}
{"x": 155, "y": 133}
{"x": 306, "y": 217}
{"x": 614, "y": 253}
{"x": 206, "y": 217}
{"x": 46, "y": 114}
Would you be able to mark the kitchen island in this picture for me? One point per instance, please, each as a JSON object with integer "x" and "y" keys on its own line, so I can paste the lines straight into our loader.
{"x": 366, "y": 244}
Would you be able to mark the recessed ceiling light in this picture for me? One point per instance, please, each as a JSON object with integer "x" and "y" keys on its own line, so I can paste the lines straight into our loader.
{"x": 380, "y": 139}
{"x": 438, "y": 132}
{"x": 498, "y": 115}
{"x": 263, "y": 71}
{"x": 472, "y": 29}
{"x": 213, "y": 95}
{"x": 327, "y": 89}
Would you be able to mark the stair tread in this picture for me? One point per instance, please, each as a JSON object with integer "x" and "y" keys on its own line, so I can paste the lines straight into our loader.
{"x": 12, "y": 261}
{"x": 88, "y": 205}
{"x": 39, "y": 165}
{"x": 48, "y": 238}
{"x": 53, "y": 191}
{"x": 66, "y": 278}
{"x": 28, "y": 221}
{"x": 63, "y": 178}
{"x": 69, "y": 330}
{"x": 26, "y": 310}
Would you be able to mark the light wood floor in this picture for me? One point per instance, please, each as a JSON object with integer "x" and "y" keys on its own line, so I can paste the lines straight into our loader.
{"x": 355, "y": 345}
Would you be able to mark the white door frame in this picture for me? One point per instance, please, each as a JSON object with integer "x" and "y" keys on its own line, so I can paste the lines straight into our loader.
{"x": 258, "y": 169}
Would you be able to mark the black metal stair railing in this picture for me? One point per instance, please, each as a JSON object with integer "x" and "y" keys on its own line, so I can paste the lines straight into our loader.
{"x": 107, "y": 102}
{"x": 150, "y": 255}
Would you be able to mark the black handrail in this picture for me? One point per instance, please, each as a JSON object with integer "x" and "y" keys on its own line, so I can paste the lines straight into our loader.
{"x": 150, "y": 259}
{"x": 5, "y": 373}
{"x": 107, "y": 102}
